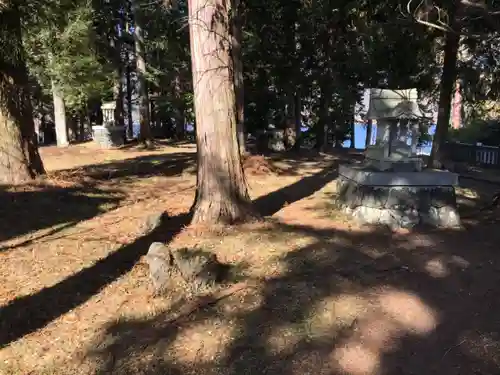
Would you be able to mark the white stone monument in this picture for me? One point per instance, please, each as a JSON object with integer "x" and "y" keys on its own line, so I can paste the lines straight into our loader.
{"x": 391, "y": 187}
{"x": 109, "y": 134}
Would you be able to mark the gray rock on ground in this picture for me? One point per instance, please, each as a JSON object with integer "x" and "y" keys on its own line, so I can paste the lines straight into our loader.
{"x": 198, "y": 268}
{"x": 160, "y": 265}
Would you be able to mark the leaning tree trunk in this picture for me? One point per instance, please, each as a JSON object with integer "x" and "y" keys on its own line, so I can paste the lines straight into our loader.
{"x": 145, "y": 136}
{"x": 20, "y": 161}
{"x": 60, "y": 117}
{"x": 238, "y": 74}
{"x": 221, "y": 192}
{"x": 448, "y": 77}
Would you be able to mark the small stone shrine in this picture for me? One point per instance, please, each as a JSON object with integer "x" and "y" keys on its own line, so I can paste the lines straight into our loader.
{"x": 108, "y": 135}
{"x": 391, "y": 187}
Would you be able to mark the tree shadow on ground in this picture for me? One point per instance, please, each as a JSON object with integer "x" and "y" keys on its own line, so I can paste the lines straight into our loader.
{"x": 168, "y": 164}
{"x": 29, "y": 313}
{"x": 371, "y": 302}
{"x": 26, "y": 314}
{"x": 273, "y": 202}
{"x": 22, "y": 212}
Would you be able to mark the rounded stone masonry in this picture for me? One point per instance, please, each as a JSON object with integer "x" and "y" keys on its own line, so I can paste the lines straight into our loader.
{"x": 399, "y": 206}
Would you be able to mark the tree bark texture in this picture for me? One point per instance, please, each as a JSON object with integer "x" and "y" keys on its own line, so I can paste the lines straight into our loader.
{"x": 145, "y": 136}
{"x": 60, "y": 117}
{"x": 221, "y": 192}
{"x": 20, "y": 161}
{"x": 448, "y": 78}
{"x": 236, "y": 39}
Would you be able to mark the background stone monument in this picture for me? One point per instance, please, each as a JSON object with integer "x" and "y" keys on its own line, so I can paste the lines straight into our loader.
{"x": 391, "y": 187}
{"x": 108, "y": 135}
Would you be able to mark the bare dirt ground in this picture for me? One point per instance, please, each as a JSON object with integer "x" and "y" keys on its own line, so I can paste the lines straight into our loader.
{"x": 324, "y": 296}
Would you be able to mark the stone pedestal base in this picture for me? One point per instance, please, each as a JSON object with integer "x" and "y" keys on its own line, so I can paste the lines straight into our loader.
{"x": 402, "y": 201}
{"x": 108, "y": 137}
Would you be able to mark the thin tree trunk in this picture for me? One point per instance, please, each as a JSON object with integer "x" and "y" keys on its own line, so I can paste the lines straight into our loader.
{"x": 179, "y": 112}
{"x": 369, "y": 128}
{"x": 180, "y": 124}
{"x": 236, "y": 39}
{"x": 221, "y": 192}
{"x": 145, "y": 136}
{"x": 352, "y": 125}
{"x": 130, "y": 124}
{"x": 118, "y": 86}
{"x": 20, "y": 161}
{"x": 448, "y": 78}
{"x": 118, "y": 98}
{"x": 128, "y": 72}
{"x": 298, "y": 120}
{"x": 60, "y": 117}
{"x": 81, "y": 133}
{"x": 324, "y": 117}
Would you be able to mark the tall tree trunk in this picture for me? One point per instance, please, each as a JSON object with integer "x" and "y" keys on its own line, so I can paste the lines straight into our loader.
{"x": 118, "y": 98}
{"x": 130, "y": 124}
{"x": 145, "y": 136}
{"x": 117, "y": 47}
{"x": 221, "y": 191}
{"x": 325, "y": 85}
{"x": 60, "y": 117}
{"x": 236, "y": 39}
{"x": 128, "y": 89}
{"x": 369, "y": 128}
{"x": 448, "y": 78}
{"x": 118, "y": 86}
{"x": 83, "y": 128}
{"x": 297, "y": 120}
{"x": 19, "y": 158}
{"x": 324, "y": 117}
{"x": 179, "y": 111}
{"x": 352, "y": 125}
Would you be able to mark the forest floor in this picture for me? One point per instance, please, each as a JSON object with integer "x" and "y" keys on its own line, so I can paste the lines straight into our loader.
{"x": 324, "y": 296}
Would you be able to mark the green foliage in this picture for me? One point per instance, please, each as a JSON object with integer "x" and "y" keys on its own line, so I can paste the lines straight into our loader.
{"x": 486, "y": 132}
{"x": 320, "y": 50}
{"x": 62, "y": 51}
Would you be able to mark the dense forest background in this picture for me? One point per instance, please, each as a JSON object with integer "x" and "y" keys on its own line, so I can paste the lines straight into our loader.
{"x": 297, "y": 64}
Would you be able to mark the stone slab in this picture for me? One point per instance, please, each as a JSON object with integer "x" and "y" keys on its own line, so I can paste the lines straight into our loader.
{"x": 365, "y": 176}
{"x": 399, "y": 206}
